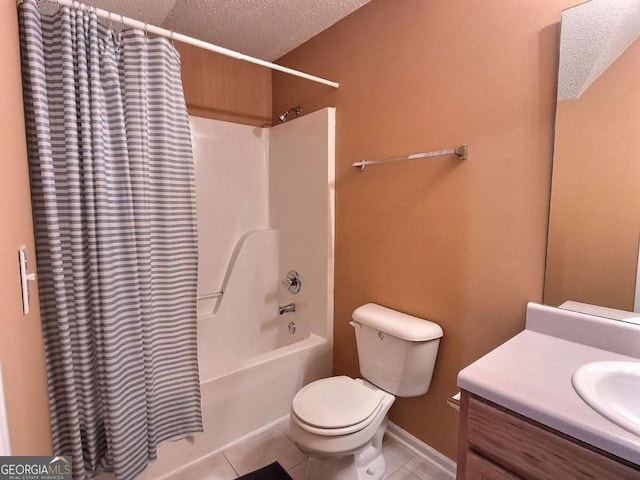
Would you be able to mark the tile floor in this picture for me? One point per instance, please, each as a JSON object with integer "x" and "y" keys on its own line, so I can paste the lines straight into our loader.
{"x": 273, "y": 445}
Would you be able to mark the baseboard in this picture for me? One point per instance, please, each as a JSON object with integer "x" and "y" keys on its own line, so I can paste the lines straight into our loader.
{"x": 425, "y": 451}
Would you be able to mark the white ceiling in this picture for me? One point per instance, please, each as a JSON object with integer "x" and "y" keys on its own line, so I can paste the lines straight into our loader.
{"x": 593, "y": 35}
{"x": 266, "y": 29}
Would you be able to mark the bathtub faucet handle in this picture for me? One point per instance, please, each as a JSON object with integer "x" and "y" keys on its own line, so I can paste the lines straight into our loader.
{"x": 288, "y": 308}
{"x": 292, "y": 282}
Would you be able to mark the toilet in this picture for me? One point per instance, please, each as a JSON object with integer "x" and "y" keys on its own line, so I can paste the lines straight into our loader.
{"x": 340, "y": 421}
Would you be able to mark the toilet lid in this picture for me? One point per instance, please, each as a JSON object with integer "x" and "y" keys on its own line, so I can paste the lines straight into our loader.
{"x": 336, "y": 402}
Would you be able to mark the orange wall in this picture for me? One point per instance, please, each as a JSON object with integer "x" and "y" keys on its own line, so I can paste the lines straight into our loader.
{"x": 460, "y": 243}
{"x": 595, "y": 202}
{"x": 223, "y": 88}
{"x": 21, "y": 348}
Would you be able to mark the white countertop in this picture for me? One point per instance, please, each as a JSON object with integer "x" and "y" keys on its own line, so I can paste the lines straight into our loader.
{"x": 531, "y": 375}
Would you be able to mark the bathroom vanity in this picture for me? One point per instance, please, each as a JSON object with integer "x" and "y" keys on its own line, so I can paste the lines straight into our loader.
{"x": 494, "y": 442}
{"x": 526, "y": 409}
{"x": 521, "y": 417}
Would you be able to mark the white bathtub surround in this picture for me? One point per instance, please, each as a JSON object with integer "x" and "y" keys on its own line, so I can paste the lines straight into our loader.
{"x": 245, "y": 322}
{"x": 262, "y": 211}
{"x": 255, "y": 226}
{"x": 407, "y": 458}
{"x": 232, "y": 195}
{"x": 302, "y": 206}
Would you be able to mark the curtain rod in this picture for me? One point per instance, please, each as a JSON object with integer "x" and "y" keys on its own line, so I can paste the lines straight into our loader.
{"x": 195, "y": 42}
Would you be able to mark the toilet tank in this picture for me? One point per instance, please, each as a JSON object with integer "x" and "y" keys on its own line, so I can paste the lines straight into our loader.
{"x": 397, "y": 352}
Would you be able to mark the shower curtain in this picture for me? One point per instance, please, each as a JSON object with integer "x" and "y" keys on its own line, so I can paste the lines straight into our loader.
{"x": 114, "y": 210}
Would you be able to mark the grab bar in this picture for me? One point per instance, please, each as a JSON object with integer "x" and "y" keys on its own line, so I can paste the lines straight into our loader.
{"x": 209, "y": 295}
{"x": 230, "y": 266}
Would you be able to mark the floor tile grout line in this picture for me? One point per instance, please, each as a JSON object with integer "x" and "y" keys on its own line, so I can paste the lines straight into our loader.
{"x": 284, "y": 434}
{"x": 229, "y": 462}
{"x": 420, "y": 474}
{"x": 392, "y": 472}
{"x": 293, "y": 468}
{"x": 402, "y": 464}
{"x": 408, "y": 460}
{"x": 306, "y": 457}
{"x": 299, "y": 463}
{"x": 413, "y": 474}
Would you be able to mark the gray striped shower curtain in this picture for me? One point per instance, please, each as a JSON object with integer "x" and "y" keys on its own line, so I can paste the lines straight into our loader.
{"x": 114, "y": 210}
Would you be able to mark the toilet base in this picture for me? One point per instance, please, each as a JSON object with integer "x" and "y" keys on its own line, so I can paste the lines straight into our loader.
{"x": 367, "y": 463}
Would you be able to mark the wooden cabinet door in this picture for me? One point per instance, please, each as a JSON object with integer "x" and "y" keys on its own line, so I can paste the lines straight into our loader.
{"x": 479, "y": 468}
{"x": 494, "y": 442}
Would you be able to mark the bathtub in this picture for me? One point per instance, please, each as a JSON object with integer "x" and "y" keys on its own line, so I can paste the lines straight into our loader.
{"x": 241, "y": 398}
{"x": 251, "y": 364}
{"x": 250, "y": 235}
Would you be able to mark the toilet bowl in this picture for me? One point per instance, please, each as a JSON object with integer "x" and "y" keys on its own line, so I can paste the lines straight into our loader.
{"x": 353, "y": 423}
{"x": 339, "y": 421}
{"x": 348, "y": 444}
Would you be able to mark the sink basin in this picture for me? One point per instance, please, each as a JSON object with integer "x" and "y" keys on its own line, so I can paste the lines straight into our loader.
{"x": 613, "y": 390}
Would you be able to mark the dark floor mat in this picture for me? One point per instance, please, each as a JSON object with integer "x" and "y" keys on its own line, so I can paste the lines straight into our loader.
{"x": 270, "y": 472}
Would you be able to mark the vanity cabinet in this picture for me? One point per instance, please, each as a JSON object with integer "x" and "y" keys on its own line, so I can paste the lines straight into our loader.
{"x": 498, "y": 444}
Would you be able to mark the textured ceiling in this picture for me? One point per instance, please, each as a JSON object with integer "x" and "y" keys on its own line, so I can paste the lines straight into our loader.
{"x": 594, "y": 35}
{"x": 266, "y": 29}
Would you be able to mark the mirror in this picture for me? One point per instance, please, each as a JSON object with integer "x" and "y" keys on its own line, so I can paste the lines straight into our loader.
{"x": 594, "y": 223}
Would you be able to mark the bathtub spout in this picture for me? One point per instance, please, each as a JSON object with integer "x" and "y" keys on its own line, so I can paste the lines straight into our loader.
{"x": 288, "y": 308}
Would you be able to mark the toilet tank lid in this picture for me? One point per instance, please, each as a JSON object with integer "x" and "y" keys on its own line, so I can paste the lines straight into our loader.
{"x": 398, "y": 324}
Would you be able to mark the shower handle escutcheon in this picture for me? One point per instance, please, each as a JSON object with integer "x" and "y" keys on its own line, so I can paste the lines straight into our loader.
{"x": 292, "y": 282}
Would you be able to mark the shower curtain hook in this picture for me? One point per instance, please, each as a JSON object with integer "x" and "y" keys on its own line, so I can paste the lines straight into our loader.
{"x": 109, "y": 24}
{"x": 171, "y": 38}
{"x": 121, "y": 23}
{"x": 146, "y": 32}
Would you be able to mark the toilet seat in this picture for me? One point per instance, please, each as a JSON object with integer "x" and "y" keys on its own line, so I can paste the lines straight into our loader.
{"x": 336, "y": 406}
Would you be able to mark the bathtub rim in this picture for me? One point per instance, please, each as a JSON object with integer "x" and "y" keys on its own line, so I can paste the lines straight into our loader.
{"x": 309, "y": 341}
